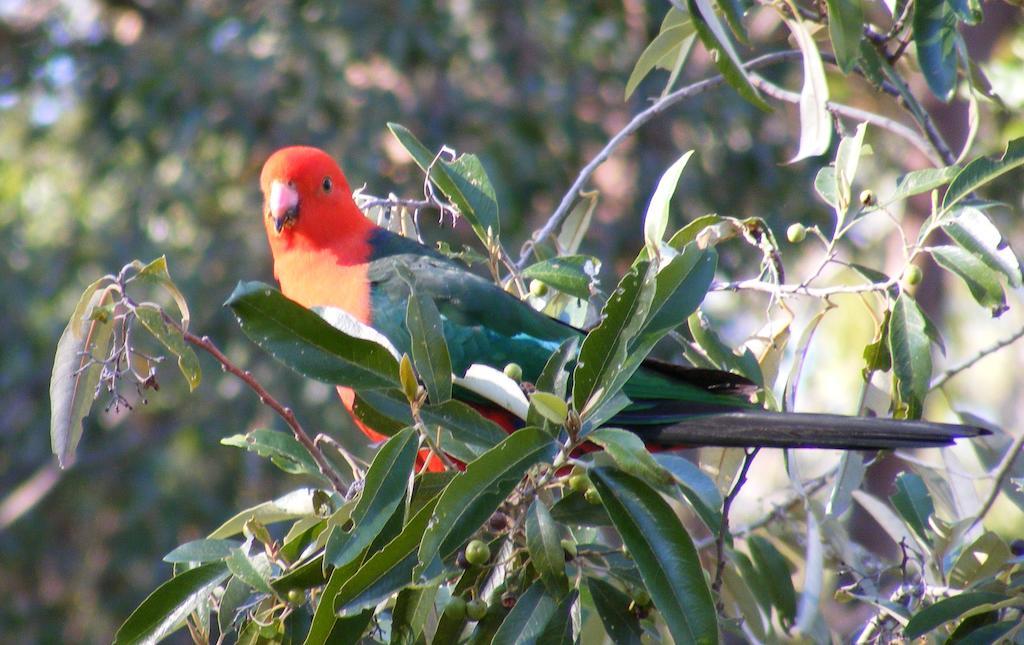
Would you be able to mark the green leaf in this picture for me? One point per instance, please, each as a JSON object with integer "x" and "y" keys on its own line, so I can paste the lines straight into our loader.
{"x": 575, "y": 510}
{"x": 815, "y": 120}
{"x": 922, "y": 181}
{"x": 656, "y": 218}
{"x": 281, "y": 447}
{"x": 825, "y": 185}
{"x": 387, "y": 571}
{"x": 974, "y": 232}
{"x": 554, "y": 378}
{"x": 983, "y": 170}
{"x": 474, "y": 494}
{"x": 912, "y": 501}
{"x": 527, "y": 620}
{"x": 165, "y": 610}
{"x": 733, "y": 11}
{"x": 669, "y": 44}
{"x": 309, "y": 344}
{"x": 152, "y": 319}
{"x": 631, "y": 456}
{"x": 296, "y": 504}
{"x": 245, "y": 569}
{"x": 612, "y": 606}
{"x": 712, "y": 33}
{"x": 545, "y": 548}
{"x": 552, "y": 408}
{"x": 982, "y": 281}
{"x": 680, "y": 287}
{"x": 910, "y": 349}
{"x": 326, "y": 626}
{"x": 847, "y": 160}
{"x": 202, "y": 551}
{"x": 464, "y": 181}
{"x": 721, "y": 354}
{"x": 73, "y": 380}
{"x": 948, "y": 609}
{"x": 934, "y": 25}
{"x": 236, "y": 593}
{"x": 605, "y": 349}
{"x": 429, "y": 348}
{"x": 698, "y": 488}
{"x": 774, "y": 568}
{"x": 412, "y": 607}
{"x": 156, "y": 273}
{"x": 560, "y": 629}
{"x": 384, "y": 488}
{"x": 981, "y": 559}
{"x": 845, "y": 22}
{"x": 571, "y": 274}
{"x": 664, "y": 554}
{"x": 850, "y": 475}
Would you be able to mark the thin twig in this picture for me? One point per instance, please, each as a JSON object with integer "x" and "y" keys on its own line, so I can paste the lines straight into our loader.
{"x": 801, "y": 289}
{"x": 723, "y": 530}
{"x": 285, "y": 413}
{"x": 953, "y": 371}
{"x": 1002, "y": 472}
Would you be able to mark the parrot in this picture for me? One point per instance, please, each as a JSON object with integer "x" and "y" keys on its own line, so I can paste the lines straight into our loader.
{"x": 327, "y": 253}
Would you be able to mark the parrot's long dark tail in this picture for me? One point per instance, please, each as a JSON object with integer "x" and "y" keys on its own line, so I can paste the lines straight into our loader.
{"x": 752, "y": 427}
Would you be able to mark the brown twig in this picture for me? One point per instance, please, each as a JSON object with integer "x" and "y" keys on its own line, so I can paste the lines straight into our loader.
{"x": 723, "y": 530}
{"x": 1002, "y": 472}
{"x": 267, "y": 399}
{"x": 991, "y": 349}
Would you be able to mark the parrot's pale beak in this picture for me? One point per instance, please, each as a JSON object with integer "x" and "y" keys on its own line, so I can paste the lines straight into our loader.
{"x": 283, "y": 204}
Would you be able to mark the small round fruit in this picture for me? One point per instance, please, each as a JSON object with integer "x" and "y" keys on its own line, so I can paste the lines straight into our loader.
{"x": 457, "y": 607}
{"x": 796, "y": 233}
{"x": 538, "y": 289}
{"x": 570, "y": 550}
{"x": 498, "y": 521}
{"x": 579, "y": 483}
{"x": 296, "y": 597}
{"x": 867, "y": 197}
{"x": 477, "y": 552}
{"x": 592, "y": 496}
{"x": 508, "y": 600}
{"x": 476, "y": 609}
{"x": 514, "y": 371}
{"x": 641, "y": 597}
{"x": 913, "y": 275}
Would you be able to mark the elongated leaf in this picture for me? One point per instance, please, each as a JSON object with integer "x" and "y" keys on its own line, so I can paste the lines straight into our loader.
{"x": 156, "y": 273}
{"x": 948, "y": 609}
{"x": 552, "y": 408}
{"x": 667, "y": 45}
{"x": 815, "y": 120}
{"x": 612, "y": 605}
{"x": 296, "y": 504}
{"x": 973, "y": 230}
{"x": 475, "y": 493}
{"x": 934, "y": 26}
{"x": 849, "y": 478}
{"x": 664, "y": 554}
{"x": 429, "y": 348}
{"x": 73, "y": 380}
{"x": 698, "y": 488}
{"x": 571, "y": 274}
{"x": 715, "y": 38}
{"x": 981, "y": 280}
{"x": 166, "y": 608}
{"x": 389, "y": 570}
{"x": 912, "y": 501}
{"x": 922, "y": 181}
{"x": 721, "y": 354}
{"x": 308, "y": 344}
{"x": 384, "y": 488}
{"x": 982, "y": 171}
{"x": 282, "y": 448}
{"x": 910, "y": 349}
{"x": 412, "y": 607}
{"x": 773, "y": 567}
{"x": 981, "y": 559}
{"x": 202, "y": 551}
{"x": 575, "y": 510}
{"x": 808, "y": 614}
{"x": 630, "y": 454}
{"x": 825, "y": 185}
{"x": 680, "y": 287}
{"x": 845, "y": 19}
{"x": 554, "y": 379}
{"x": 245, "y": 569}
{"x": 545, "y": 548}
{"x": 605, "y": 348}
{"x": 173, "y": 340}
{"x": 527, "y": 620}
{"x": 656, "y": 218}
{"x": 847, "y": 160}
{"x": 886, "y": 518}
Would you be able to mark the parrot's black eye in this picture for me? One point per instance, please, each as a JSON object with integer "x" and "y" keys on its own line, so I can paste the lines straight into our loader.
{"x": 327, "y": 184}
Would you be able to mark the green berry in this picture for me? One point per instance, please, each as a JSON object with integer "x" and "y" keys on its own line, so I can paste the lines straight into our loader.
{"x": 514, "y": 372}
{"x": 296, "y": 597}
{"x": 477, "y": 553}
{"x": 538, "y": 289}
{"x": 867, "y": 197}
{"x": 913, "y": 275}
{"x": 579, "y": 483}
{"x": 592, "y": 496}
{"x": 796, "y": 233}
{"x": 457, "y": 607}
{"x": 641, "y": 597}
{"x": 476, "y": 609}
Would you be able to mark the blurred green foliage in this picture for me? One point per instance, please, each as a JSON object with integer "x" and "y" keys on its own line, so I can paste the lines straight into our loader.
{"x": 130, "y": 129}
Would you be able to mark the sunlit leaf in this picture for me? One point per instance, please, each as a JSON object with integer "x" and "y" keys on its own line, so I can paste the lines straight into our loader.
{"x": 715, "y": 38}
{"x": 571, "y": 274}
{"x": 845, "y": 24}
{"x": 981, "y": 171}
{"x": 282, "y": 448}
{"x": 202, "y": 551}
{"x": 656, "y": 218}
{"x": 948, "y": 609}
{"x": 981, "y": 280}
{"x": 910, "y": 349}
{"x": 912, "y": 502}
{"x": 815, "y": 120}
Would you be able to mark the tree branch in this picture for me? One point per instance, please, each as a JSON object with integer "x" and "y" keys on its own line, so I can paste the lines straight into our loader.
{"x": 723, "y": 530}
{"x": 953, "y": 371}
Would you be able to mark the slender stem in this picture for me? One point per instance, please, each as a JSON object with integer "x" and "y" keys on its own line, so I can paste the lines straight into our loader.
{"x": 991, "y": 349}
{"x": 741, "y": 479}
{"x": 800, "y": 289}
{"x": 285, "y": 413}
{"x": 1001, "y": 473}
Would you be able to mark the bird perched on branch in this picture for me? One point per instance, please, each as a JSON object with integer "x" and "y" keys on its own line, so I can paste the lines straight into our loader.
{"x": 327, "y": 253}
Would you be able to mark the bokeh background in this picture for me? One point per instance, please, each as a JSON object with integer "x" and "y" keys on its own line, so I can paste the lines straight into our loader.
{"x": 135, "y": 128}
